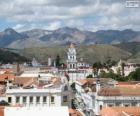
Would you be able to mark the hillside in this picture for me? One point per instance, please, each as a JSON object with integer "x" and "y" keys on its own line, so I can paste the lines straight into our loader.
{"x": 63, "y": 36}
{"x": 132, "y": 47}
{"x": 9, "y": 57}
{"x": 90, "y": 53}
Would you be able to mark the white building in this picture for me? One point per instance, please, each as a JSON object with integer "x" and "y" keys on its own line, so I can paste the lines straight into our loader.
{"x": 75, "y": 69}
{"x": 72, "y": 60}
{"x": 39, "y": 92}
{"x": 128, "y": 67}
{"x": 36, "y": 111}
{"x": 92, "y": 96}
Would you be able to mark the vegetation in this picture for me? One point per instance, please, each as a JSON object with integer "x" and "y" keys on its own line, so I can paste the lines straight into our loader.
{"x": 90, "y": 53}
{"x": 112, "y": 75}
{"x": 134, "y": 76}
{"x": 89, "y": 76}
{"x": 10, "y": 57}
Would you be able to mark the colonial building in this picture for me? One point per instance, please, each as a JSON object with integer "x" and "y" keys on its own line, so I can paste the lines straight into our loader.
{"x": 72, "y": 60}
{"x": 92, "y": 96}
{"x": 126, "y": 67}
{"x": 27, "y": 91}
{"x": 75, "y": 69}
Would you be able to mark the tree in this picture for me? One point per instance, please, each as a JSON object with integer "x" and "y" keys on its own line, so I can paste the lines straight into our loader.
{"x": 89, "y": 76}
{"x": 96, "y": 66}
{"x": 135, "y": 76}
{"x": 112, "y": 75}
{"x": 122, "y": 65}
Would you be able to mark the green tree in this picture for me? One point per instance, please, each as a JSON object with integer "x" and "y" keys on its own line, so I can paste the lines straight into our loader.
{"x": 89, "y": 76}
{"x": 112, "y": 75}
{"x": 135, "y": 76}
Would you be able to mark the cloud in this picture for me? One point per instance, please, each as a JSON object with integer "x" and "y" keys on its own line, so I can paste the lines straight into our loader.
{"x": 54, "y": 25}
{"x": 85, "y": 14}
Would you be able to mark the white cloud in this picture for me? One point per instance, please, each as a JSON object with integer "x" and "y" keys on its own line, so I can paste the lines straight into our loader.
{"x": 107, "y": 14}
{"x": 54, "y": 25}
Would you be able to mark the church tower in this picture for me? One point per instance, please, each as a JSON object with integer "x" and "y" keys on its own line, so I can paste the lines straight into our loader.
{"x": 71, "y": 60}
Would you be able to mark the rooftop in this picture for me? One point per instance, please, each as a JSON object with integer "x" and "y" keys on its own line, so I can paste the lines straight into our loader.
{"x": 74, "y": 112}
{"x": 120, "y": 111}
{"x": 127, "y": 90}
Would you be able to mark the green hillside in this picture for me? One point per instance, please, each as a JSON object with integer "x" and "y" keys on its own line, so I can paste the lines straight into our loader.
{"x": 7, "y": 56}
{"x": 90, "y": 53}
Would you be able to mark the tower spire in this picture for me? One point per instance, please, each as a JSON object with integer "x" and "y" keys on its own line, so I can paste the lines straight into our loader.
{"x": 71, "y": 45}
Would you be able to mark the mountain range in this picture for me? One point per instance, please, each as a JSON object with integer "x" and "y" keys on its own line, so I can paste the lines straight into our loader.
{"x": 9, "y": 38}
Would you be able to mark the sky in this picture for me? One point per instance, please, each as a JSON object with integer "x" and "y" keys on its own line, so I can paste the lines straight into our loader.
{"x": 89, "y": 15}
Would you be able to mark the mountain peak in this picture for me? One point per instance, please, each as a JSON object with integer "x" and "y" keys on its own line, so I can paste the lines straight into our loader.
{"x": 9, "y": 31}
{"x": 67, "y": 30}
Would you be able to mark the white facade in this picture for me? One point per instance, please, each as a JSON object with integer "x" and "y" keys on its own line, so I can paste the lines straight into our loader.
{"x": 71, "y": 60}
{"x": 36, "y": 111}
{"x": 39, "y": 97}
{"x": 128, "y": 68}
{"x": 49, "y": 61}
{"x": 91, "y": 102}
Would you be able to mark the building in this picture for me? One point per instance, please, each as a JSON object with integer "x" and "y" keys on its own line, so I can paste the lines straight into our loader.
{"x": 120, "y": 111}
{"x": 71, "y": 58}
{"x": 86, "y": 93}
{"x": 33, "y": 111}
{"x": 93, "y": 95}
{"x": 126, "y": 67}
{"x": 31, "y": 91}
{"x": 75, "y": 69}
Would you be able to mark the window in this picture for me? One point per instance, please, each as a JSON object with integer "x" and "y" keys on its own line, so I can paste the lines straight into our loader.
{"x": 66, "y": 88}
{"x": 52, "y": 99}
{"x": 134, "y": 103}
{"x": 31, "y": 99}
{"x": 9, "y": 99}
{"x": 65, "y": 99}
{"x": 110, "y": 105}
{"x": 37, "y": 99}
{"x": 24, "y": 99}
{"x": 126, "y": 105}
{"x": 44, "y": 99}
{"x": 100, "y": 107}
{"x": 17, "y": 99}
{"x": 118, "y": 103}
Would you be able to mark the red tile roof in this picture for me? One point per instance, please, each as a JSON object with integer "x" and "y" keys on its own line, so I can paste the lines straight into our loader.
{"x": 120, "y": 111}
{"x": 1, "y": 111}
{"x": 74, "y": 112}
{"x": 127, "y": 90}
{"x": 6, "y": 76}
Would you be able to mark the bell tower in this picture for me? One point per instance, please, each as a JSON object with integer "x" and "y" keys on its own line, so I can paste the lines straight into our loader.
{"x": 71, "y": 57}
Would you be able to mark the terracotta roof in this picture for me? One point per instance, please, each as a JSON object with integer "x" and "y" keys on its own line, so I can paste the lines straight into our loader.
{"x": 129, "y": 90}
{"x": 6, "y": 76}
{"x": 120, "y": 111}
{"x": 25, "y": 81}
{"x": 1, "y": 111}
{"x": 83, "y": 81}
{"x": 93, "y": 80}
{"x": 74, "y": 112}
{"x": 109, "y": 92}
{"x": 129, "y": 83}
